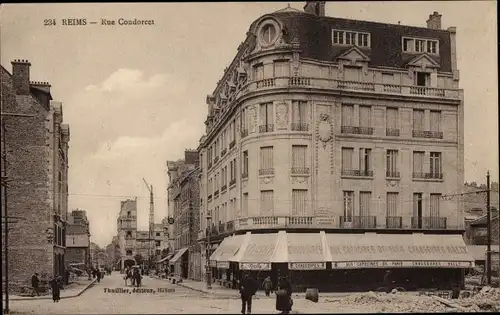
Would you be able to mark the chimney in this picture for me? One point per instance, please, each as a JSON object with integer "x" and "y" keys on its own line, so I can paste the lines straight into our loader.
{"x": 315, "y": 7}
{"x": 44, "y": 86}
{"x": 21, "y": 76}
{"x": 434, "y": 21}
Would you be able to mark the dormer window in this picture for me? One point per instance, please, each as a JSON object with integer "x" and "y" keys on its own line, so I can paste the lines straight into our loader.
{"x": 351, "y": 38}
{"x": 420, "y": 45}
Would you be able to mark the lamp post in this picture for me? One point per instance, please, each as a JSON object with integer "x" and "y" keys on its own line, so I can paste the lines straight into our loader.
{"x": 209, "y": 271}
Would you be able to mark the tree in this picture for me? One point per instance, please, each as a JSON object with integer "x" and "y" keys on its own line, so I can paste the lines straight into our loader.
{"x": 138, "y": 259}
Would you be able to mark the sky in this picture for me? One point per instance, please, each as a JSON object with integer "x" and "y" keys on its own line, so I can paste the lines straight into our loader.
{"x": 134, "y": 97}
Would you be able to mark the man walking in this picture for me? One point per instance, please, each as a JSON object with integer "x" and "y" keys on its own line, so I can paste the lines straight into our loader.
{"x": 248, "y": 288}
{"x": 268, "y": 285}
{"x": 34, "y": 284}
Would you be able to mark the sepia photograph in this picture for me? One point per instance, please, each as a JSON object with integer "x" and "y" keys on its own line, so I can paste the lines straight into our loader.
{"x": 249, "y": 157}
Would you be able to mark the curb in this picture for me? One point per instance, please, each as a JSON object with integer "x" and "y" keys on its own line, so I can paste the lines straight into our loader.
{"x": 207, "y": 292}
{"x": 50, "y": 297}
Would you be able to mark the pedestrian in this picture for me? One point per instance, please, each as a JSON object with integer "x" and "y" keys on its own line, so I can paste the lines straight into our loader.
{"x": 98, "y": 275}
{"x": 137, "y": 278}
{"x": 388, "y": 281}
{"x": 35, "y": 281}
{"x": 55, "y": 284}
{"x": 268, "y": 285}
{"x": 284, "y": 300}
{"x": 248, "y": 288}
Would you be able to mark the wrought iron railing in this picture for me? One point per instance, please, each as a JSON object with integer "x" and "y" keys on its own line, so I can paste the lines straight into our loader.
{"x": 299, "y": 126}
{"x": 300, "y": 170}
{"x": 394, "y": 222}
{"x": 216, "y": 160}
{"x": 357, "y": 130}
{"x": 230, "y": 226}
{"x": 427, "y": 134}
{"x": 392, "y": 174}
{"x": 420, "y": 175}
{"x": 216, "y": 194}
{"x": 428, "y": 223}
{"x": 223, "y": 188}
{"x": 365, "y": 173}
{"x": 358, "y": 222}
{"x": 392, "y": 132}
{"x": 266, "y": 128}
{"x": 266, "y": 171}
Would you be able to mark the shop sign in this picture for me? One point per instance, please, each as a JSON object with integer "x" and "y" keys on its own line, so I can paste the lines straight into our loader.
{"x": 402, "y": 264}
{"x": 223, "y": 264}
{"x": 213, "y": 263}
{"x": 307, "y": 266}
{"x": 398, "y": 249}
{"x": 255, "y": 266}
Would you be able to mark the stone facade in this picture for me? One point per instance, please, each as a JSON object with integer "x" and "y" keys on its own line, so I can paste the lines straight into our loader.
{"x": 36, "y": 150}
{"x": 127, "y": 231}
{"x": 78, "y": 239}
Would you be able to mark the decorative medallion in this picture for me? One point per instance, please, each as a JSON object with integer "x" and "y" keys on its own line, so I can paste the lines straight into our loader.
{"x": 282, "y": 116}
{"x": 324, "y": 128}
{"x": 266, "y": 180}
{"x": 299, "y": 179}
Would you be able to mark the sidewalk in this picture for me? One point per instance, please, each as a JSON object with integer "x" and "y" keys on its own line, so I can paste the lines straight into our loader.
{"x": 73, "y": 290}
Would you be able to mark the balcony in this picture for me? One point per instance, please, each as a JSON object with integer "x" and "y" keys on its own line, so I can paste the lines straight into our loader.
{"x": 223, "y": 152}
{"x": 392, "y": 132}
{"x": 358, "y": 222}
{"x": 216, "y": 194}
{"x": 419, "y": 175}
{"x": 223, "y": 188}
{"x": 427, "y": 134}
{"x": 299, "y": 81}
{"x": 394, "y": 222}
{"x": 266, "y": 128}
{"x": 266, "y": 83}
{"x": 357, "y": 173}
{"x": 216, "y": 160}
{"x": 438, "y": 223}
{"x": 232, "y": 182}
{"x": 266, "y": 171}
{"x": 354, "y": 85}
{"x": 230, "y": 226}
{"x": 244, "y": 133}
{"x": 244, "y": 175}
{"x": 232, "y": 144}
{"x": 425, "y": 90}
{"x": 392, "y": 174}
{"x": 300, "y": 170}
{"x": 299, "y": 126}
{"x": 299, "y": 222}
{"x": 357, "y": 130}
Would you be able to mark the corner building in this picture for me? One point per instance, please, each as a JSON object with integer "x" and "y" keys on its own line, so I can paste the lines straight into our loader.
{"x": 330, "y": 146}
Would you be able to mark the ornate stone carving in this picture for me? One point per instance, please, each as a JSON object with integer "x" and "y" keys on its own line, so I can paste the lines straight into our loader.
{"x": 282, "y": 116}
{"x": 295, "y": 67}
{"x": 324, "y": 129}
{"x": 299, "y": 179}
{"x": 244, "y": 183}
{"x": 266, "y": 180}
{"x": 252, "y": 117}
{"x": 341, "y": 67}
{"x": 391, "y": 183}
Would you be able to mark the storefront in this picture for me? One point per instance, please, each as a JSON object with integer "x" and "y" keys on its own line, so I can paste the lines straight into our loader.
{"x": 222, "y": 270}
{"x": 180, "y": 263}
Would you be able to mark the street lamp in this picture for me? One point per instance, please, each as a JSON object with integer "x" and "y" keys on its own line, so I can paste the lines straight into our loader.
{"x": 209, "y": 272}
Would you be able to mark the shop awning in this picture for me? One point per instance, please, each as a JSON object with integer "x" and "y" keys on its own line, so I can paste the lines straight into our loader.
{"x": 178, "y": 255}
{"x": 256, "y": 252}
{"x": 217, "y": 253}
{"x": 166, "y": 257}
{"x": 370, "y": 250}
{"x": 306, "y": 251}
{"x": 227, "y": 249}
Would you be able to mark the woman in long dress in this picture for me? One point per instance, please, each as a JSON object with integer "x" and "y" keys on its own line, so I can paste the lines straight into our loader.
{"x": 284, "y": 296}
{"x": 55, "y": 284}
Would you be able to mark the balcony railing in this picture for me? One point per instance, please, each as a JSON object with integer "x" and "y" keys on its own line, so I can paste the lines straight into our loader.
{"x": 232, "y": 182}
{"x": 427, "y": 134}
{"x": 266, "y": 171}
{"x": 266, "y": 128}
{"x": 358, "y": 222}
{"x": 244, "y": 133}
{"x": 392, "y": 132}
{"x": 357, "y": 130}
{"x": 299, "y": 126}
{"x": 392, "y": 174}
{"x": 244, "y": 175}
{"x": 299, "y": 221}
{"x": 419, "y": 175}
{"x": 299, "y": 81}
{"x": 354, "y": 85}
{"x": 394, "y": 222}
{"x": 360, "y": 173}
{"x": 223, "y": 188}
{"x": 265, "y": 83}
{"x": 230, "y": 226}
{"x": 300, "y": 170}
{"x": 216, "y": 160}
{"x": 231, "y": 144}
{"x": 425, "y": 90}
{"x": 428, "y": 223}
{"x": 216, "y": 194}
{"x": 223, "y": 152}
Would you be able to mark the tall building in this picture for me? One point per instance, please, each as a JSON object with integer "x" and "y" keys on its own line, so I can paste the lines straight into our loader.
{"x": 35, "y": 145}
{"x": 78, "y": 239}
{"x": 325, "y": 138}
{"x": 183, "y": 202}
{"x": 127, "y": 232}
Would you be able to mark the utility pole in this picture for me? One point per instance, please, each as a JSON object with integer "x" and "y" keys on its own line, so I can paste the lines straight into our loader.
{"x": 151, "y": 220}
{"x": 488, "y": 214}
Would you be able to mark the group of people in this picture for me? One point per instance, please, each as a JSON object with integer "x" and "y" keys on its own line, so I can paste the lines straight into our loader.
{"x": 56, "y": 284}
{"x": 248, "y": 288}
{"x": 134, "y": 275}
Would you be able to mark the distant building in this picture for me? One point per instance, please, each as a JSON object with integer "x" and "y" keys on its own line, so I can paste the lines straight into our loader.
{"x": 98, "y": 256}
{"x": 78, "y": 239}
{"x": 475, "y": 204}
{"x": 127, "y": 232}
{"x": 35, "y": 144}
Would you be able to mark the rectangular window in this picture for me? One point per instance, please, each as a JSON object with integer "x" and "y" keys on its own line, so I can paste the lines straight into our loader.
{"x": 244, "y": 205}
{"x": 348, "y": 206}
{"x": 418, "y": 119}
{"x": 435, "y": 202}
{"x": 245, "y": 163}
{"x": 231, "y": 170}
{"x": 267, "y": 202}
{"x": 338, "y": 37}
{"x": 223, "y": 140}
{"x": 365, "y": 201}
{"x": 266, "y": 161}
{"x": 435, "y": 123}
{"x": 432, "y": 47}
{"x": 365, "y": 115}
{"x": 299, "y": 156}
{"x": 281, "y": 68}
{"x": 392, "y": 204}
{"x": 418, "y": 163}
{"x": 422, "y": 79}
{"x": 243, "y": 122}
{"x": 234, "y": 169}
{"x": 347, "y": 154}
{"x": 350, "y": 38}
{"x": 419, "y": 45}
{"x": 392, "y": 163}
{"x": 435, "y": 165}
{"x": 363, "y": 40}
{"x": 299, "y": 202}
{"x": 391, "y": 118}
{"x": 408, "y": 44}
{"x": 258, "y": 72}
{"x": 347, "y": 115}
{"x": 299, "y": 112}
{"x": 266, "y": 117}
{"x": 365, "y": 164}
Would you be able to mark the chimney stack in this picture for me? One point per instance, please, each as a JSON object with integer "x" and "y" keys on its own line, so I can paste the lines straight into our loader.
{"x": 21, "y": 76}
{"x": 434, "y": 21}
{"x": 315, "y": 7}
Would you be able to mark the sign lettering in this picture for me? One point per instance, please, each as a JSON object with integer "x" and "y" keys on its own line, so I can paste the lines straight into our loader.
{"x": 397, "y": 249}
{"x": 400, "y": 264}
{"x": 307, "y": 266}
{"x": 223, "y": 264}
{"x": 255, "y": 266}
{"x": 265, "y": 250}
{"x": 305, "y": 249}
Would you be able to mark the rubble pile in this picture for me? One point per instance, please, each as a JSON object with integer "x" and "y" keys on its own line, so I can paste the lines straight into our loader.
{"x": 488, "y": 299}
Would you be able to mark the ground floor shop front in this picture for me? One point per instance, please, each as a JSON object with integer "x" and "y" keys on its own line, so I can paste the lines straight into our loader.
{"x": 344, "y": 262}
